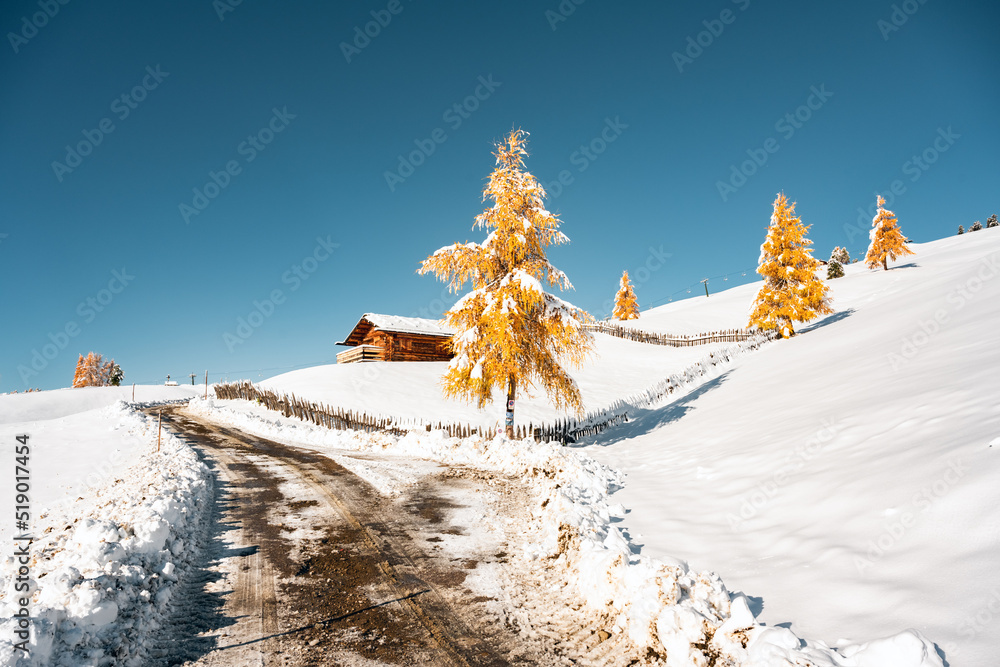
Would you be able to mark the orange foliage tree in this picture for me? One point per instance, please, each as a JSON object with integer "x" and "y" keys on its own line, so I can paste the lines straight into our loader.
{"x": 887, "y": 241}
{"x": 626, "y": 305}
{"x": 93, "y": 371}
{"x": 792, "y": 292}
{"x": 510, "y": 332}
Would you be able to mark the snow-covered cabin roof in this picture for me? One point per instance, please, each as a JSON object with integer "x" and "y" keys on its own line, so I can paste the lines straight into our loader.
{"x": 395, "y": 324}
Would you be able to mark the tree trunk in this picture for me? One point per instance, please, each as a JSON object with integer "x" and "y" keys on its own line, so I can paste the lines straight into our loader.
{"x": 885, "y": 263}
{"x": 509, "y": 417}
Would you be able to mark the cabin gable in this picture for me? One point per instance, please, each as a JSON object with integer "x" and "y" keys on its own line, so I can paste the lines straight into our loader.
{"x": 388, "y": 338}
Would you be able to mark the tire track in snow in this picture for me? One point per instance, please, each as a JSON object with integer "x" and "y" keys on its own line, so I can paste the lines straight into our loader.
{"x": 403, "y": 587}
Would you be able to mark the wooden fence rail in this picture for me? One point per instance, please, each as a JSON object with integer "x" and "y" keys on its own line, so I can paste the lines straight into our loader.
{"x": 562, "y": 430}
{"x": 672, "y": 340}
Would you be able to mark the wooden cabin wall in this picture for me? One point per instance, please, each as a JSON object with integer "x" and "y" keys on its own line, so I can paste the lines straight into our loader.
{"x": 409, "y": 347}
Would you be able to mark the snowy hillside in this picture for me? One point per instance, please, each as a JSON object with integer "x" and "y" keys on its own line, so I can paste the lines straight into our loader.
{"x": 850, "y": 465}
{"x": 845, "y": 478}
{"x": 698, "y": 313}
{"x": 78, "y": 443}
{"x": 412, "y": 390}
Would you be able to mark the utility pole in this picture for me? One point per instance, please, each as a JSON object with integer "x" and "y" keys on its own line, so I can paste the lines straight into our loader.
{"x": 192, "y": 378}
{"x": 705, "y": 282}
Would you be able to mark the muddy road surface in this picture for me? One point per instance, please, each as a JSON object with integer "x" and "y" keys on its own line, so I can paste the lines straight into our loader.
{"x": 304, "y": 563}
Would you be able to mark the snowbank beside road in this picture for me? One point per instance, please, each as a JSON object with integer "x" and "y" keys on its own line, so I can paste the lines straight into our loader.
{"x": 103, "y": 568}
{"x": 683, "y": 615}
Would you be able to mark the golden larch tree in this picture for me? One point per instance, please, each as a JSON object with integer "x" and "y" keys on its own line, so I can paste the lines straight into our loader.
{"x": 78, "y": 375}
{"x": 887, "y": 241}
{"x": 792, "y": 292}
{"x": 93, "y": 371}
{"x": 509, "y": 332}
{"x": 626, "y": 306}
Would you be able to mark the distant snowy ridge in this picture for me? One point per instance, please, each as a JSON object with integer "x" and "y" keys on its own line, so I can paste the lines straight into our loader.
{"x": 103, "y": 572}
{"x": 688, "y": 618}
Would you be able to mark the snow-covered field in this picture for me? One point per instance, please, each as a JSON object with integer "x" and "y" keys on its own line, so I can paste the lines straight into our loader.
{"x": 412, "y": 390}
{"x": 114, "y": 524}
{"x": 846, "y": 479}
{"x": 840, "y": 481}
{"x": 76, "y": 439}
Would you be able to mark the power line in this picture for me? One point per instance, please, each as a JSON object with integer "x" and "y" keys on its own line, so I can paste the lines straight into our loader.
{"x": 687, "y": 290}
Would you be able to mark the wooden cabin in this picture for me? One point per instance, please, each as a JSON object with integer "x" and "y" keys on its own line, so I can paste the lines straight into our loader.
{"x": 391, "y": 338}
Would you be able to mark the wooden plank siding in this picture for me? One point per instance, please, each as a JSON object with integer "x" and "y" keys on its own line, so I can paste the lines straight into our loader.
{"x": 387, "y": 338}
{"x": 360, "y": 353}
{"x": 398, "y": 346}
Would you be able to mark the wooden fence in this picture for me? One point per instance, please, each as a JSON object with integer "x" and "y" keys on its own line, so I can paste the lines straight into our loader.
{"x": 340, "y": 419}
{"x": 562, "y": 430}
{"x": 317, "y": 413}
{"x": 671, "y": 340}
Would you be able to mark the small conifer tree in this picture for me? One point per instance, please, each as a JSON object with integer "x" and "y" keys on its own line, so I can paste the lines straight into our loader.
{"x": 834, "y": 269}
{"x": 792, "y": 292}
{"x": 976, "y": 226}
{"x": 961, "y": 229}
{"x": 509, "y": 332}
{"x": 114, "y": 374}
{"x": 992, "y": 221}
{"x": 887, "y": 241}
{"x": 626, "y": 306}
{"x": 841, "y": 255}
{"x": 78, "y": 375}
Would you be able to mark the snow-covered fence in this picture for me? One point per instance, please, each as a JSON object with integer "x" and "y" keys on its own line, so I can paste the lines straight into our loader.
{"x": 340, "y": 419}
{"x": 317, "y": 413}
{"x": 671, "y": 340}
{"x": 570, "y": 430}
{"x": 562, "y": 430}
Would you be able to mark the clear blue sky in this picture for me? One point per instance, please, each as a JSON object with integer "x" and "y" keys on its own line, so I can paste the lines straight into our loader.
{"x": 309, "y": 129}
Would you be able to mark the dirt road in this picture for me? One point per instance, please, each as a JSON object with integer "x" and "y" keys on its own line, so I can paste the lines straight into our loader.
{"x": 306, "y": 564}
